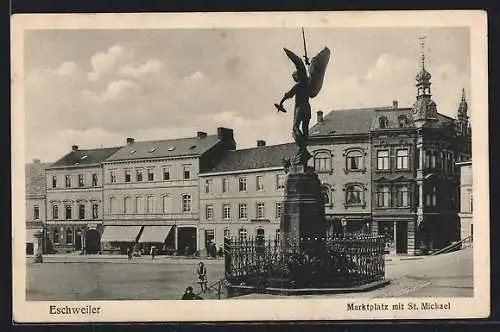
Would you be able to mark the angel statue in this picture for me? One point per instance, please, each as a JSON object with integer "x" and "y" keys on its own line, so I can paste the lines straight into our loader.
{"x": 307, "y": 85}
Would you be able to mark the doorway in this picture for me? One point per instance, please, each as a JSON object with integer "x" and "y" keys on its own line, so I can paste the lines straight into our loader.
{"x": 401, "y": 237}
{"x": 186, "y": 240}
{"x": 92, "y": 241}
{"x": 78, "y": 239}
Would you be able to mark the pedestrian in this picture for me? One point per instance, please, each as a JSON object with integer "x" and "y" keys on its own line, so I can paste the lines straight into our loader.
{"x": 202, "y": 277}
{"x": 189, "y": 295}
{"x": 153, "y": 252}
{"x": 129, "y": 253}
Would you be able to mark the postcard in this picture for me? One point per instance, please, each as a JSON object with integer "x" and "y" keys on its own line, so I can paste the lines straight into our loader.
{"x": 206, "y": 167}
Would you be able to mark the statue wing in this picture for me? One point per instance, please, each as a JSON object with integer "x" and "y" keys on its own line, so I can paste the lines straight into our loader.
{"x": 317, "y": 71}
{"x": 297, "y": 61}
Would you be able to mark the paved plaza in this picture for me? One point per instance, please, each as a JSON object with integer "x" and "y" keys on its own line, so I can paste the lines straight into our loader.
{"x": 117, "y": 278}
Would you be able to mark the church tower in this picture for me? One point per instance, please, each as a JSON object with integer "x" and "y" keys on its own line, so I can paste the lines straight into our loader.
{"x": 424, "y": 107}
{"x": 462, "y": 122}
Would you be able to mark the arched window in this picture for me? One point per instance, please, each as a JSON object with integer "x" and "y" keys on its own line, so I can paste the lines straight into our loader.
{"x": 261, "y": 233}
{"x": 242, "y": 234}
{"x": 55, "y": 211}
{"x": 139, "y": 204}
{"x": 186, "y": 203}
{"x": 69, "y": 236}
{"x": 383, "y": 122}
{"x": 354, "y": 160}
{"x": 322, "y": 161}
{"x": 354, "y": 194}
{"x": 167, "y": 208}
{"x": 150, "y": 204}
{"x": 127, "y": 205}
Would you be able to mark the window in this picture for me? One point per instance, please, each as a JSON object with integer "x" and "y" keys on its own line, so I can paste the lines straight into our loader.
{"x": 94, "y": 180}
{"x": 260, "y": 183}
{"x": 36, "y": 212}
{"x": 383, "y": 122}
{"x": 325, "y": 192}
{"x": 68, "y": 212}
{"x": 127, "y": 175}
{"x": 81, "y": 180}
{"x": 54, "y": 181}
{"x": 383, "y": 196}
{"x": 260, "y": 234}
{"x": 112, "y": 175}
{"x": 226, "y": 211}
{"x": 151, "y": 204}
{"x": 278, "y": 210}
{"x": 353, "y": 194}
{"x": 186, "y": 172}
{"x": 81, "y": 211}
{"x": 209, "y": 212}
{"x": 433, "y": 196}
{"x": 68, "y": 181}
{"x": 55, "y": 212}
{"x": 208, "y": 186}
{"x": 322, "y": 162}
{"x": 186, "y": 203}
{"x": 55, "y": 236}
{"x": 243, "y": 211}
{"x": 127, "y": 205}
{"x": 166, "y": 204}
{"x": 280, "y": 181}
{"x": 69, "y": 236}
{"x": 209, "y": 237}
{"x": 112, "y": 205}
{"x": 383, "y": 159}
{"x": 243, "y": 184}
{"x": 260, "y": 211}
{"x": 354, "y": 160}
{"x": 242, "y": 233}
{"x": 433, "y": 160}
{"x": 151, "y": 176}
{"x": 166, "y": 173}
{"x": 402, "y": 196}
{"x": 138, "y": 175}
{"x": 95, "y": 211}
{"x": 225, "y": 185}
{"x": 139, "y": 204}
{"x": 402, "y": 159}
{"x": 227, "y": 233}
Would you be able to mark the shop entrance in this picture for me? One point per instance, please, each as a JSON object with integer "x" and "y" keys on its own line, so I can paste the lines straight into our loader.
{"x": 92, "y": 241}
{"x": 401, "y": 237}
{"x": 186, "y": 240}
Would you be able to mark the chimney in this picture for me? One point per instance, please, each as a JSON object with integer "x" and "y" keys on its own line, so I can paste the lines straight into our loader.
{"x": 319, "y": 115}
{"x": 226, "y": 135}
{"x": 74, "y": 147}
{"x": 130, "y": 140}
{"x": 201, "y": 134}
{"x": 261, "y": 143}
{"x": 394, "y": 104}
{"x": 36, "y": 161}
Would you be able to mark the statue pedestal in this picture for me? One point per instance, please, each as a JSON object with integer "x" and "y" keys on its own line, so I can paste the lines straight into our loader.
{"x": 303, "y": 217}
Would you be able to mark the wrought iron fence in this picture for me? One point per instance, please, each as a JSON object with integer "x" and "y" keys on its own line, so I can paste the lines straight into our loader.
{"x": 325, "y": 262}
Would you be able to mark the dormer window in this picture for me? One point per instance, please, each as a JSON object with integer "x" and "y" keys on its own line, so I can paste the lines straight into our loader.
{"x": 383, "y": 122}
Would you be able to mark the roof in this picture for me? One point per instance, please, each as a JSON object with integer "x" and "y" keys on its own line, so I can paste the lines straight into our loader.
{"x": 35, "y": 178}
{"x": 254, "y": 158}
{"x": 85, "y": 157}
{"x": 165, "y": 148}
{"x": 364, "y": 120}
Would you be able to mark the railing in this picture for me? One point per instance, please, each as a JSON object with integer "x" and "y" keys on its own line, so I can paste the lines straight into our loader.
{"x": 326, "y": 262}
{"x": 462, "y": 244}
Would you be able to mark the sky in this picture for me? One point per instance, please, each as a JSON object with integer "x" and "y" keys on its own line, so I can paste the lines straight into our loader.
{"x": 94, "y": 88}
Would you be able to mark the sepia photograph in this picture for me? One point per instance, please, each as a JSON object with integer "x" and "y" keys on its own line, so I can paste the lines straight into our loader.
{"x": 269, "y": 165}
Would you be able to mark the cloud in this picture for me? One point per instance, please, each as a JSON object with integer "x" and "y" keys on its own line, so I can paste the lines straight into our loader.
{"x": 104, "y": 63}
{"x": 151, "y": 67}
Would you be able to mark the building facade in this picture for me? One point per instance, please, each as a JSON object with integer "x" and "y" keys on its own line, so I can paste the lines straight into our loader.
{"x": 241, "y": 195}
{"x": 151, "y": 192}
{"x": 35, "y": 203}
{"x": 74, "y": 201}
{"x": 466, "y": 200}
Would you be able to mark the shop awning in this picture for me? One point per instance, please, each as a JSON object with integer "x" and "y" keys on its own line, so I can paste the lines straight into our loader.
{"x": 152, "y": 234}
{"x": 120, "y": 233}
{"x": 30, "y": 235}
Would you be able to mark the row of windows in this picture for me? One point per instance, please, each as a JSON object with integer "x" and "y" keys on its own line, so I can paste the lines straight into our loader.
{"x": 354, "y": 161}
{"x": 242, "y": 183}
{"x": 69, "y": 238}
{"x": 383, "y": 159}
{"x": 386, "y": 199}
{"x": 143, "y": 205}
{"x": 68, "y": 211}
{"x": 242, "y": 213}
{"x": 81, "y": 180}
{"x": 242, "y": 234}
{"x": 433, "y": 159}
{"x": 139, "y": 175}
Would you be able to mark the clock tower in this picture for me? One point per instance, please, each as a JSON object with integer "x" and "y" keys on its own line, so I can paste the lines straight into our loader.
{"x": 424, "y": 108}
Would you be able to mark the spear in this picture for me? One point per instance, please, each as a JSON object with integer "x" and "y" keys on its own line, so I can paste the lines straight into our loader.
{"x": 305, "y": 48}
